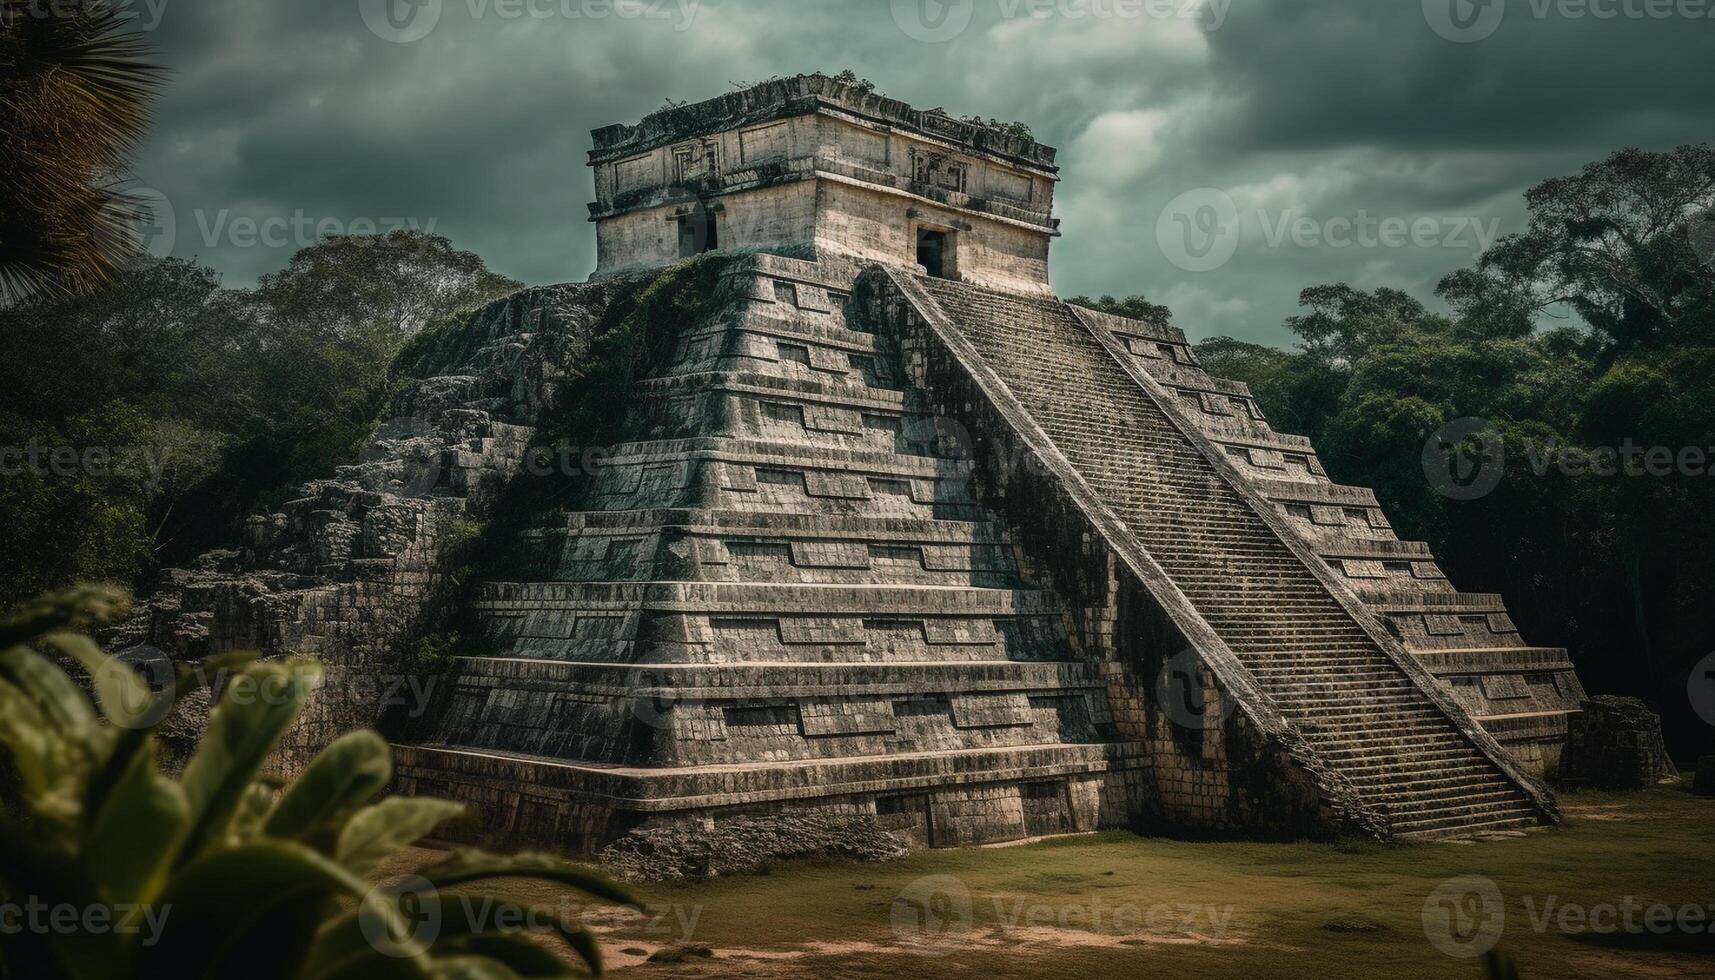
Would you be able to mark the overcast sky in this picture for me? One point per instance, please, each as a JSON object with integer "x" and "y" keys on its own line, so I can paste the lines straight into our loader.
{"x": 1217, "y": 156}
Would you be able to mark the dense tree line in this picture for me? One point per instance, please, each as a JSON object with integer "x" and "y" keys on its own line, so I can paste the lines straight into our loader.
{"x": 140, "y": 420}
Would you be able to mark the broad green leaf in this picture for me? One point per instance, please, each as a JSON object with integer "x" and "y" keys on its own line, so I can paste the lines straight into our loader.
{"x": 60, "y": 700}
{"x": 344, "y": 949}
{"x": 218, "y": 901}
{"x": 130, "y": 739}
{"x": 346, "y": 774}
{"x": 76, "y": 608}
{"x": 252, "y": 809}
{"x": 375, "y": 832}
{"x": 257, "y": 708}
{"x": 39, "y": 753}
{"x": 50, "y": 872}
{"x": 125, "y": 699}
{"x": 132, "y": 842}
{"x": 472, "y": 968}
{"x": 472, "y": 866}
{"x": 513, "y": 950}
{"x": 469, "y": 915}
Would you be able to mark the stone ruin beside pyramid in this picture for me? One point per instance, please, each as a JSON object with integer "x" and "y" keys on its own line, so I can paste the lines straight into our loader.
{"x": 895, "y": 539}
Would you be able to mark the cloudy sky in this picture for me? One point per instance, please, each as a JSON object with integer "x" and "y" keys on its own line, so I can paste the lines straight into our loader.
{"x": 1217, "y": 155}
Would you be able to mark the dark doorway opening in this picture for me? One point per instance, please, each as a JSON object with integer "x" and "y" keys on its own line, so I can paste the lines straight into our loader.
{"x": 698, "y": 233}
{"x": 932, "y": 247}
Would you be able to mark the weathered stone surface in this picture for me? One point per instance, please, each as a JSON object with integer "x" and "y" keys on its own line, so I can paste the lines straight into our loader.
{"x": 737, "y": 845}
{"x": 1616, "y": 743}
{"x": 870, "y": 560}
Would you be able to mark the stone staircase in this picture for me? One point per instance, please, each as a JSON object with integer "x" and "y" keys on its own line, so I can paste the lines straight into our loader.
{"x": 780, "y": 596}
{"x": 1406, "y": 753}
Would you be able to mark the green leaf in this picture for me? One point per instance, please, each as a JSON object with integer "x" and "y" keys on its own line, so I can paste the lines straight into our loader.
{"x": 219, "y": 901}
{"x": 133, "y": 840}
{"x": 343, "y": 949}
{"x": 375, "y": 832}
{"x": 512, "y": 950}
{"x": 350, "y": 771}
{"x": 60, "y": 700}
{"x": 257, "y": 708}
{"x": 471, "y": 866}
{"x": 468, "y": 915}
{"x": 39, "y": 754}
{"x": 125, "y": 699}
{"x": 76, "y": 608}
{"x": 130, "y": 739}
{"x": 472, "y": 968}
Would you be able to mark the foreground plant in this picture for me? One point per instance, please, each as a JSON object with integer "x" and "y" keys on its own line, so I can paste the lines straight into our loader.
{"x": 111, "y": 869}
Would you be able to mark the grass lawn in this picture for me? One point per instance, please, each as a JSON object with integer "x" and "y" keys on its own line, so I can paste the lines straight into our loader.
{"x": 1119, "y": 904}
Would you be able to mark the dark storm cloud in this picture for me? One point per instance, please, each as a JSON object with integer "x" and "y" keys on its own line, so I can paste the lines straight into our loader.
{"x": 1325, "y": 110}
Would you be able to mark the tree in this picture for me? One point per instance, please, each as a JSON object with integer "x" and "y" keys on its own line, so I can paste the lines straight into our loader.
{"x": 1134, "y": 307}
{"x": 1619, "y": 245}
{"x": 223, "y": 400}
{"x": 75, "y": 98}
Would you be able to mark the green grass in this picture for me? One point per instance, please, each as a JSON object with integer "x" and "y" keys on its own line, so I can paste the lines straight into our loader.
{"x": 1197, "y": 908}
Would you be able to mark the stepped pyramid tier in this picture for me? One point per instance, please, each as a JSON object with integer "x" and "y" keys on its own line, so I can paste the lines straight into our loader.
{"x": 1523, "y": 695}
{"x": 881, "y": 545}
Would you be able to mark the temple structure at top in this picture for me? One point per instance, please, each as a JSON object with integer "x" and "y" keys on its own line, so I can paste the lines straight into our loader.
{"x": 815, "y": 167}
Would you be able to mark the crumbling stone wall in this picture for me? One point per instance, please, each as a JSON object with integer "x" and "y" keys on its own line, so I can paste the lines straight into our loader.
{"x": 354, "y": 570}
{"x": 1616, "y": 743}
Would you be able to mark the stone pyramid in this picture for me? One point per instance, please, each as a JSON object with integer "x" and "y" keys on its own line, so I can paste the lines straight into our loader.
{"x": 895, "y": 548}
